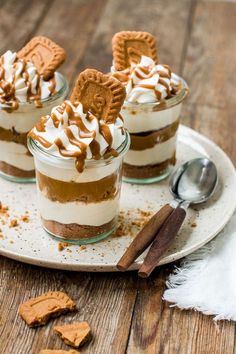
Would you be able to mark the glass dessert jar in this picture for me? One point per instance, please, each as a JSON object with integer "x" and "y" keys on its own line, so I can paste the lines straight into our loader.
{"x": 78, "y": 207}
{"x": 153, "y": 132}
{"x": 16, "y": 162}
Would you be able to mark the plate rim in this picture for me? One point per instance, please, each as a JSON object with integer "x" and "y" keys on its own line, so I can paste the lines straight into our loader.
{"x": 100, "y": 267}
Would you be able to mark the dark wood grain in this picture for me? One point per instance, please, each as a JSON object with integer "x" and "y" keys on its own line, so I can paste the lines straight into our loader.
{"x": 210, "y": 71}
{"x": 158, "y": 329}
{"x": 156, "y": 18}
{"x": 104, "y": 300}
{"x": 127, "y": 314}
{"x": 19, "y": 19}
{"x": 72, "y": 24}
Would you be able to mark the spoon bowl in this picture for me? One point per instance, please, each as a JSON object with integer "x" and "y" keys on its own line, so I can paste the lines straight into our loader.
{"x": 194, "y": 181}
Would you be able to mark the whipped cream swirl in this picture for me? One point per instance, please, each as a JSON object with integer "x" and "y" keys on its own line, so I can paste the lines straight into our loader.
{"x": 148, "y": 82}
{"x": 20, "y": 82}
{"x": 70, "y": 133}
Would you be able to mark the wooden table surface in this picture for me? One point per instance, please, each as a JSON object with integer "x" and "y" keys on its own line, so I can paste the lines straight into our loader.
{"x": 127, "y": 314}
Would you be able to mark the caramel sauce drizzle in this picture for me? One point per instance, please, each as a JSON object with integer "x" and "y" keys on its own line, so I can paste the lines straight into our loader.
{"x": 56, "y": 121}
{"x": 158, "y": 95}
{"x": 143, "y": 73}
{"x": 52, "y": 86}
{"x": 74, "y": 119}
{"x": 95, "y": 150}
{"x": 40, "y": 125}
{"x": 8, "y": 96}
{"x": 163, "y": 83}
{"x": 111, "y": 152}
{"x": 106, "y": 133}
{"x": 151, "y": 87}
{"x": 45, "y": 143}
{"x": 145, "y": 70}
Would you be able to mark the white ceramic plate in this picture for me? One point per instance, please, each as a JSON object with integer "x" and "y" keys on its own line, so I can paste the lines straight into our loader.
{"x": 29, "y": 243}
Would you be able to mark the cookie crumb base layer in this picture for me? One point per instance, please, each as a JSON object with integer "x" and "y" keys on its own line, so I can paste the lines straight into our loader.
{"x": 13, "y": 171}
{"x": 76, "y": 232}
{"x": 148, "y": 171}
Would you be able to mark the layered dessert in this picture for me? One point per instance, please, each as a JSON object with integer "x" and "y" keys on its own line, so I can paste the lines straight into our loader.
{"x": 152, "y": 107}
{"x": 78, "y": 151}
{"x": 29, "y": 87}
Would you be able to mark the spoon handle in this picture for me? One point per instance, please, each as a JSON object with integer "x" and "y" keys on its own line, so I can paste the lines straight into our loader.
{"x": 162, "y": 241}
{"x": 144, "y": 237}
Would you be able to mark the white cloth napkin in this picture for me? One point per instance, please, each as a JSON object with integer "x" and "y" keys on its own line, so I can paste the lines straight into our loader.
{"x": 206, "y": 280}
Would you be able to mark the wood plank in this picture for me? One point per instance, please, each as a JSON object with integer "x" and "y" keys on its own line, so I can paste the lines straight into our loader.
{"x": 104, "y": 300}
{"x": 217, "y": 124}
{"x": 210, "y": 71}
{"x": 157, "y": 328}
{"x": 164, "y": 19}
{"x": 71, "y": 24}
{"x": 19, "y": 20}
{"x": 210, "y": 63}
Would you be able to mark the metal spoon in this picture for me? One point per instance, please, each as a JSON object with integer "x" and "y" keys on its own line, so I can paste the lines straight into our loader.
{"x": 192, "y": 183}
{"x": 149, "y": 232}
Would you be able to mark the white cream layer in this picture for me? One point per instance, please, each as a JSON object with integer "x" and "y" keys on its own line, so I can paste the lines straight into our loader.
{"x": 144, "y": 120}
{"x": 157, "y": 154}
{"x": 68, "y": 173}
{"x": 94, "y": 214}
{"x": 16, "y": 155}
{"x": 25, "y": 117}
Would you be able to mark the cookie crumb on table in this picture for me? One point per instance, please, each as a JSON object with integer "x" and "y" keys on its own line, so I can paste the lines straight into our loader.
{"x": 62, "y": 245}
{"x": 25, "y": 218}
{"x": 131, "y": 221}
{"x": 3, "y": 208}
{"x": 13, "y": 223}
{"x": 1, "y": 236}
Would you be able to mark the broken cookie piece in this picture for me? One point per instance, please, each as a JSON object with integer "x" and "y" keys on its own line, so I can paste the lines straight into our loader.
{"x": 39, "y": 310}
{"x": 57, "y": 351}
{"x": 75, "y": 334}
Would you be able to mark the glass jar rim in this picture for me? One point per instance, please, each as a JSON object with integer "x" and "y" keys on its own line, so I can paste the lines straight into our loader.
{"x": 163, "y": 104}
{"x": 46, "y": 156}
{"x": 50, "y": 99}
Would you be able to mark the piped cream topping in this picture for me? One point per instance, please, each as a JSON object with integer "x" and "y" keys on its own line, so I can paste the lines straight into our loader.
{"x": 70, "y": 133}
{"x": 148, "y": 82}
{"x": 20, "y": 82}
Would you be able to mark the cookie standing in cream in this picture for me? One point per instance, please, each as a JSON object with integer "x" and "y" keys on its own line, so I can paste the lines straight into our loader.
{"x": 78, "y": 167}
{"x": 24, "y": 97}
{"x": 151, "y": 114}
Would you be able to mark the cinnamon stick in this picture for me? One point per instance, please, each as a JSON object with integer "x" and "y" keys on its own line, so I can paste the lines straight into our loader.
{"x": 144, "y": 238}
{"x": 162, "y": 241}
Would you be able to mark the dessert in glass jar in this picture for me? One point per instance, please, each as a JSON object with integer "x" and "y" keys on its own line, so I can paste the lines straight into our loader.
{"x": 29, "y": 88}
{"x": 78, "y": 151}
{"x": 152, "y": 108}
